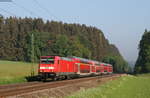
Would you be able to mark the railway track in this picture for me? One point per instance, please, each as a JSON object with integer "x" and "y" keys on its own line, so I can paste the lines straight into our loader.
{"x": 17, "y": 89}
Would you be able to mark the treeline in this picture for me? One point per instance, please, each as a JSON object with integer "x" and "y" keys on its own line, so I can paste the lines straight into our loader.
{"x": 20, "y": 38}
{"x": 143, "y": 62}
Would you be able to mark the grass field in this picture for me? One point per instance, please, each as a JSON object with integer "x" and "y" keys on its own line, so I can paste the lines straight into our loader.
{"x": 14, "y": 72}
{"x": 125, "y": 87}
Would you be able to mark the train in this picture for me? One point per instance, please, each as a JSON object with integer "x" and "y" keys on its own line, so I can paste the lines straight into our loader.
{"x": 58, "y": 68}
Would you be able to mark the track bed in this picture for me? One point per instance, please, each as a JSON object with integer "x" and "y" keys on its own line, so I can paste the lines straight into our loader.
{"x": 39, "y": 88}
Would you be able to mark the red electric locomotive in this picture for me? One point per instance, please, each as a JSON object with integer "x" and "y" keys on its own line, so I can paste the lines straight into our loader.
{"x": 57, "y": 67}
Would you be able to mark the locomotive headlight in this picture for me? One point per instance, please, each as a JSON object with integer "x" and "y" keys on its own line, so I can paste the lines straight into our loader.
{"x": 51, "y": 67}
{"x": 42, "y": 67}
{"x": 46, "y": 67}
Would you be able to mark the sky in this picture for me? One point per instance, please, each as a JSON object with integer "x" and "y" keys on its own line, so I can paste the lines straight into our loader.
{"x": 122, "y": 21}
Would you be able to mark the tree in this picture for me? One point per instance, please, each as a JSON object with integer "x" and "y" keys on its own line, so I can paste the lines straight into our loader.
{"x": 142, "y": 64}
{"x": 61, "y": 46}
{"x": 33, "y": 46}
{"x": 78, "y": 49}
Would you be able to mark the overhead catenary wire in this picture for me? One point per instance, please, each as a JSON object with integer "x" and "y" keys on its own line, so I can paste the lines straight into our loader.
{"x": 27, "y": 10}
{"x": 45, "y": 9}
{"x": 8, "y": 12}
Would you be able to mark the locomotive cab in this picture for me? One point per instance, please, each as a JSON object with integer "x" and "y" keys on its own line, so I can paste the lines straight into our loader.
{"x": 47, "y": 66}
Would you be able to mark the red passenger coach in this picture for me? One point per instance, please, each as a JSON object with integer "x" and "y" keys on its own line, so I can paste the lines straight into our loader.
{"x": 110, "y": 68}
{"x": 102, "y": 67}
{"x": 57, "y": 67}
{"x": 106, "y": 68}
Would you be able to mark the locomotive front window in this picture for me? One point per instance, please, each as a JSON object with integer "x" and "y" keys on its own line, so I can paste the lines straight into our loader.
{"x": 47, "y": 60}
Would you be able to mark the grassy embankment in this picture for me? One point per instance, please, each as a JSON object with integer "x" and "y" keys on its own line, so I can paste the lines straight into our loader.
{"x": 15, "y": 72}
{"x": 124, "y": 87}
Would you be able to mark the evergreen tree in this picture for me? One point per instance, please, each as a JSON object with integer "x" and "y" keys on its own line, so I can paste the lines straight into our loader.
{"x": 143, "y": 61}
{"x": 61, "y": 46}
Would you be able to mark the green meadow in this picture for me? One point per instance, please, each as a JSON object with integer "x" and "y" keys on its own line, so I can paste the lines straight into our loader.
{"x": 124, "y": 87}
{"x": 15, "y": 72}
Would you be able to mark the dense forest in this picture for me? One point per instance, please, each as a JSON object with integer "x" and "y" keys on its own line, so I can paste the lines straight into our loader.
{"x": 20, "y": 38}
{"x": 143, "y": 61}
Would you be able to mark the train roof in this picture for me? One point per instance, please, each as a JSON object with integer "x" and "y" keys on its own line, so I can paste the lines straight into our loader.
{"x": 106, "y": 64}
{"x": 81, "y": 59}
{"x": 85, "y": 60}
{"x": 66, "y": 58}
